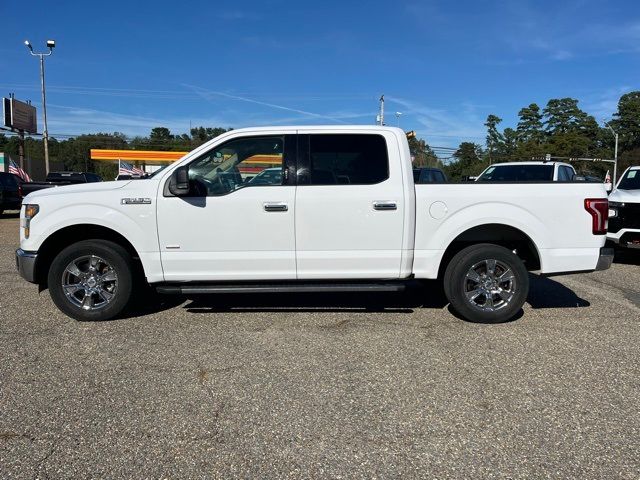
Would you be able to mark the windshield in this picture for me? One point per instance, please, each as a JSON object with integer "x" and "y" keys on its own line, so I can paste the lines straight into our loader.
{"x": 630, "y": 181}
{"x": 157, "y": 171}
{"x": 517, "y": 173}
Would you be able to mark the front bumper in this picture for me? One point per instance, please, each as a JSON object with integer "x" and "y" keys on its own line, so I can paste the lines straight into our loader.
{"x": 26, "y": 264}
{"x": 605, "y": 259}
{"x": 625, "y": 237}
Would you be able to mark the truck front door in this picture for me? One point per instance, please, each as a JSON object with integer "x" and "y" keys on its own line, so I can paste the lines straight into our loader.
{"x": 228, "y": 227}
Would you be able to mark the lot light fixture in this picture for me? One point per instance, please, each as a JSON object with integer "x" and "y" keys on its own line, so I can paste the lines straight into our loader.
{"x": 45, "y": 134}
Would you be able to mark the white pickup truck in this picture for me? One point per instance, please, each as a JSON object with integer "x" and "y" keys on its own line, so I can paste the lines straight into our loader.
{"x": 624, "y": 210}
{"x": 344, "y": 215}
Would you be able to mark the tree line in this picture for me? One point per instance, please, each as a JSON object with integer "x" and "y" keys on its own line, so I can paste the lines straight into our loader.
{"x": 561, "y": 129}
{"x": 73, "y": 154}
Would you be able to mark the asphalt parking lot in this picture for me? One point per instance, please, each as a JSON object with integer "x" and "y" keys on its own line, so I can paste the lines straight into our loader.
{"x": 323, "y": 385}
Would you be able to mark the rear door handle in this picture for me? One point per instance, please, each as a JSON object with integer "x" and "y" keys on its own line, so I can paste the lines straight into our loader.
{"x": 385, "y": 205}
{"x": 276, "y": 207}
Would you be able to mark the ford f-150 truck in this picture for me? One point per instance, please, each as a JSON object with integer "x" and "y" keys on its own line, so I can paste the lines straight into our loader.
{"x": 345, "y": 215}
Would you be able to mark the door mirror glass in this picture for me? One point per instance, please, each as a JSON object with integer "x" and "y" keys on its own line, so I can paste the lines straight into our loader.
{"x": 179, "y": 183}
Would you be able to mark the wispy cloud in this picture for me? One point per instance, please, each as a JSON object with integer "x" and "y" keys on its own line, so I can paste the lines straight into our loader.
{"x": 444, "y": 127}
{"x": 602, "y": 105}
{"x": 71, "y": 120}
{"x": 209, "y": 95}
{"x": 571, "y": 30}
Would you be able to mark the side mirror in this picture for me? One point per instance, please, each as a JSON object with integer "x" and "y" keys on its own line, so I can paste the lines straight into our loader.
{"x": 179, "y": 183}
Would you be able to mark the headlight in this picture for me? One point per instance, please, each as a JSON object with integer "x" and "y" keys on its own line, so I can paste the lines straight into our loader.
{"x": 613, "y": 208}
{"x": 30, "y": 211}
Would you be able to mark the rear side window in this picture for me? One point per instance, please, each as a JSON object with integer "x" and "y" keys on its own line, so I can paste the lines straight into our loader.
{"x": 348, "y": 159}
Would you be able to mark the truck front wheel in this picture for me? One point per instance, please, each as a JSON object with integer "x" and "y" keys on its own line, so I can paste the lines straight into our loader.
{"x": 91, "y": 280}
{"x": 486, "y": 283}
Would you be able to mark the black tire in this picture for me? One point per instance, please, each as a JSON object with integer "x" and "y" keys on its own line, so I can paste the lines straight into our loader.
{"x": 479, "y": 295}
{"x": 111, "y": 259}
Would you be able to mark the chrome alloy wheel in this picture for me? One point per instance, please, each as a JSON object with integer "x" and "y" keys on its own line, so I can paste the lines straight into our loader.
{"x": 89, "y": 282}
{"x": 489, "y": 285}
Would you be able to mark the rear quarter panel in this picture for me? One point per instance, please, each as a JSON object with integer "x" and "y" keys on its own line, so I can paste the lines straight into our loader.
{"x": 551, "y": 214}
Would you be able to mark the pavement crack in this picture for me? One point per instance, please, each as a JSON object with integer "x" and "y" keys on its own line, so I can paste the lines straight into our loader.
{"x": 11, "y": 435}
{"x": 218, "y": 406}
{"x": 41, "y": 463}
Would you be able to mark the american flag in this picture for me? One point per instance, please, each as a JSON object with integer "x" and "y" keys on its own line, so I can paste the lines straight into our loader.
{"x": 125, "y": 168}
{"x": 16, "y": 170}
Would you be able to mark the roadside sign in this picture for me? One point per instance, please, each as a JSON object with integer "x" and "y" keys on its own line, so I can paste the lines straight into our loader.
{"x": 19, "y": 115}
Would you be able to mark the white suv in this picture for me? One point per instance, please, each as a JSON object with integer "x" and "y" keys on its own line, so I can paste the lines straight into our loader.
{"x": 534, "y": 171}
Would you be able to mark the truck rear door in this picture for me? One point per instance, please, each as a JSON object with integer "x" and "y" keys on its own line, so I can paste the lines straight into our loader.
{"x": 350, "y": 205}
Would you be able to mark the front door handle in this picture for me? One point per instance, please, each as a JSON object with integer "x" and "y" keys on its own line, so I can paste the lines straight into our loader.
{"x": 276, "y": 207}
{"x": 385, "y": 205}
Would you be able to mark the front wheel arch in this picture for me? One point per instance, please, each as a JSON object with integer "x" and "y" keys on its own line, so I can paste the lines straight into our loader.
{"x": 107, "y": 291}
{"x": 66, "y": 236}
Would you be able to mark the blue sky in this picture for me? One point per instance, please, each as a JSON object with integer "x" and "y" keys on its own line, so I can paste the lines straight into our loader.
{"x": 130, "y": 66}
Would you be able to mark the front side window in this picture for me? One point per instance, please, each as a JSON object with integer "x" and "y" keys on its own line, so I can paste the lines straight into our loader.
{"x": 239, "y": 163}
{"x": 347, "y": 159}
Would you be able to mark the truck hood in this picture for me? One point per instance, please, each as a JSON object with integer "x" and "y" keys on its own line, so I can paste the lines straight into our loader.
{"x": 81, "y": 188}
{"x": 628, "y": 196}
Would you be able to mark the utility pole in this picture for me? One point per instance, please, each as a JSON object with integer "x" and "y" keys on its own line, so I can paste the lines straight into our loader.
{"x": 50, "y": 45}
{"x": 615, "y": 153}
{"x": 381, "y": 116}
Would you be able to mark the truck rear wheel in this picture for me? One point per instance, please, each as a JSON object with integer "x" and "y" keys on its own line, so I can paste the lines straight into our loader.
{"x": 91, "y": 280}
{"x": 486, "y": 283}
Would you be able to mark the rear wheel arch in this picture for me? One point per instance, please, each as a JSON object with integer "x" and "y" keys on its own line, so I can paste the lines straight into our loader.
{"x": 497, "y": 234}
{"x": 60, "y": 239}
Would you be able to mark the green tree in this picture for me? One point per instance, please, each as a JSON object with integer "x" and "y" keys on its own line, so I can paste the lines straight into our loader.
{"x": 423, "y": 155}
{"x": 494, "y": 137}
{"x": 161, "y": 138}
{"x": 510, "y": 145}
{"x": 468, "y": 161}
{"x": 202, "y": 135}
{"x": 626, "y": 121}
{"x": 530, "y": 127}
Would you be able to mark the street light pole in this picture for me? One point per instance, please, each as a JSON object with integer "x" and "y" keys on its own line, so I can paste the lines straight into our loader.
{"x": 50, "y": 45}
{"x": 615, "y": 154}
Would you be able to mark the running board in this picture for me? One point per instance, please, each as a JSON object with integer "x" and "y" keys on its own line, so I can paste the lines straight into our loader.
{"x": 196, "y": 289}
